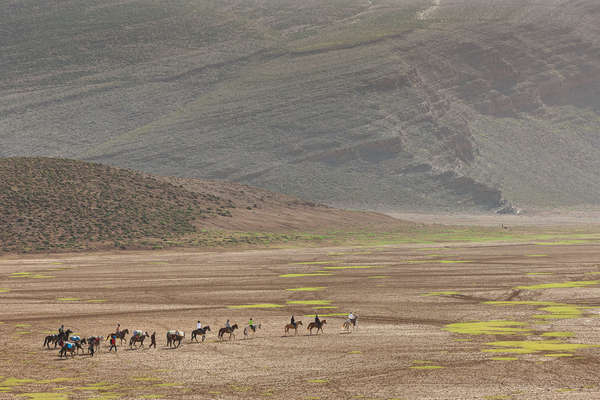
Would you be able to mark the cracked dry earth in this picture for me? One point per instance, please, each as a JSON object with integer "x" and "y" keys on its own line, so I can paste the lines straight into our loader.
{"x": 505, "y": 321}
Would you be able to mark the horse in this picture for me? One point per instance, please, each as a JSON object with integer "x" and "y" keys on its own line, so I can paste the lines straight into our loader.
{"x": 225, "y": 330}
{"x": 68, "y": 347}
{"x": 350, "y": 323}
{"x": 174, "y": 336}
{"x": 201, "y": 331}
{"x": 56, "y": 338}
{"x": 121, "y": 335}
{"x": 314, "y": 325}
{"x": 250, "y": 329}
{"x": 50, "y": 339}
{"x": 78, "y": 341}
{"x": 94, "y": 340}
{"x": 290, "y": 326}
{"x": 138, "y": 336}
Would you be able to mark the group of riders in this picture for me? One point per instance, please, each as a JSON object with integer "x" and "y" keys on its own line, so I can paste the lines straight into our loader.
{"x": 67, "y": 343}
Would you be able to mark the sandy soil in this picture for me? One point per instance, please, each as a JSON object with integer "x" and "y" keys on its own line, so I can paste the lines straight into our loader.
{"x": 403, "y": 348}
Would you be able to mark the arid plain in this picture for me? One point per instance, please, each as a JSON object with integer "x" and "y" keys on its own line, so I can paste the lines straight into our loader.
{"x": 470, "y": 321}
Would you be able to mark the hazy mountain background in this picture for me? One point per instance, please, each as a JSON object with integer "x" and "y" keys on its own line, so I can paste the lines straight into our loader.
{"x": 387, "y": 105}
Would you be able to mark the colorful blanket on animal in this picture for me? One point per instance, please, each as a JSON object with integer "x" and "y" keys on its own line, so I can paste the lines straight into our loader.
{"x": 137, "y": 332}
{"x": 70, "y": 346}
{"x": 176, "y": 333}
{"x": 75, "y": 339}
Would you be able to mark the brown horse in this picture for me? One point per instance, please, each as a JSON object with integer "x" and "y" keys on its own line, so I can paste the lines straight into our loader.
{"x": 138, "y": 337}
{"x": 290, "y": 326}
{"x": 225, "y": 330}
{"x": 120, "y": 335}
{"x": 314, "y": 325}
{"x": 174, "y": 336}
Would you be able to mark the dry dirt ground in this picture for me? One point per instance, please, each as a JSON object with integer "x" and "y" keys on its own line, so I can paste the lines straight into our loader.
{"x": 404, "y": 348}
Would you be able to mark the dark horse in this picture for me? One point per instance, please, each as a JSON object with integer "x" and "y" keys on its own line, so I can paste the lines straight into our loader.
{"x": 55, "y": 339}
{"x": 121, "y": 335}
{"x": 174, "y": 336}
{"x": 138, "y": 338}
{"x": 225, "y": 330}
{"x": 71, "y": 348}
{"x": 314, "y": 325}
{"x": 201, "y": 331}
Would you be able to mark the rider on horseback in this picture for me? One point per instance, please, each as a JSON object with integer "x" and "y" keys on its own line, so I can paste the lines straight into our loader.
{"x": 199, "y": 325}
{"x": 317, "y": 320}
{"x": 352, "y": 318}
{"x": 251, "y": 325}
{"x": 293, "y": 322}
{"x": 227, "y": 325}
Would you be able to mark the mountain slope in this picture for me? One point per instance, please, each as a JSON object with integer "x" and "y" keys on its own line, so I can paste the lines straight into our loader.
{"x": 51, "y": 204}
{"x": 391, "y": 104}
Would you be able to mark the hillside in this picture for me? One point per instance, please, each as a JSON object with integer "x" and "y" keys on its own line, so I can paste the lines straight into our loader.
{"x": 52, "y": 204}
{"x": 374, "y": 104}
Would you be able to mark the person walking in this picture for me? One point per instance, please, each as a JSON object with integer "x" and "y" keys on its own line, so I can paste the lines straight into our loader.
{"x": 91, "y": 348}
{"x": 113, "y": 343}
{"x": 153, "y": 340}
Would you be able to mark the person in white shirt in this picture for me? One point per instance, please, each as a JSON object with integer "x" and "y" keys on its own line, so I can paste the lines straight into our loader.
{"x": 199, "y": 325}
{"x": 352, "y": 318}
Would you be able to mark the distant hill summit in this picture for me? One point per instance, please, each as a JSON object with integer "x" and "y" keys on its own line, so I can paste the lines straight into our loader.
{"x": 51, "y": 204}
{"x": 453, "y": 105}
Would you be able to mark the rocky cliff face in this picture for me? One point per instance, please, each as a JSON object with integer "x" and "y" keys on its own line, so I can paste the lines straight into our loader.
{"x": 372, "y": 104}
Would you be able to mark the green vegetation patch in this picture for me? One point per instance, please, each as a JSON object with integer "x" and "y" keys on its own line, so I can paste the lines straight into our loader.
{"x": 41, "y": 276}
{"x": 379, "y": 277}
{"x": 22, "y": 325}
{"x": 308, "y": 289}
{"x": 317, "y": 381}
{"x": 95, "y": 301}
{"x": 504, "y": 358}
{"x": 146, "y": 379}
{"x": 55, "y": 380}
{"x": 2, "y": 290}
{"x": 310, "y": 302}
{"x": 45, "y": 396}
{"x": 558, "y": 334}
{"x": 571, "y": 284}
{"x": 9, "y": 382}
{"x": 499, "y": 327}
{"x": 307, "y": 274}
{"x": 558, "y": 355}
{"x": 259, "y": 305}
{"x": 447, "y": 293}
{"x": 555, "y": 310}
{"x": 534, "y": 346}
{"x": 68, "y": 299}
